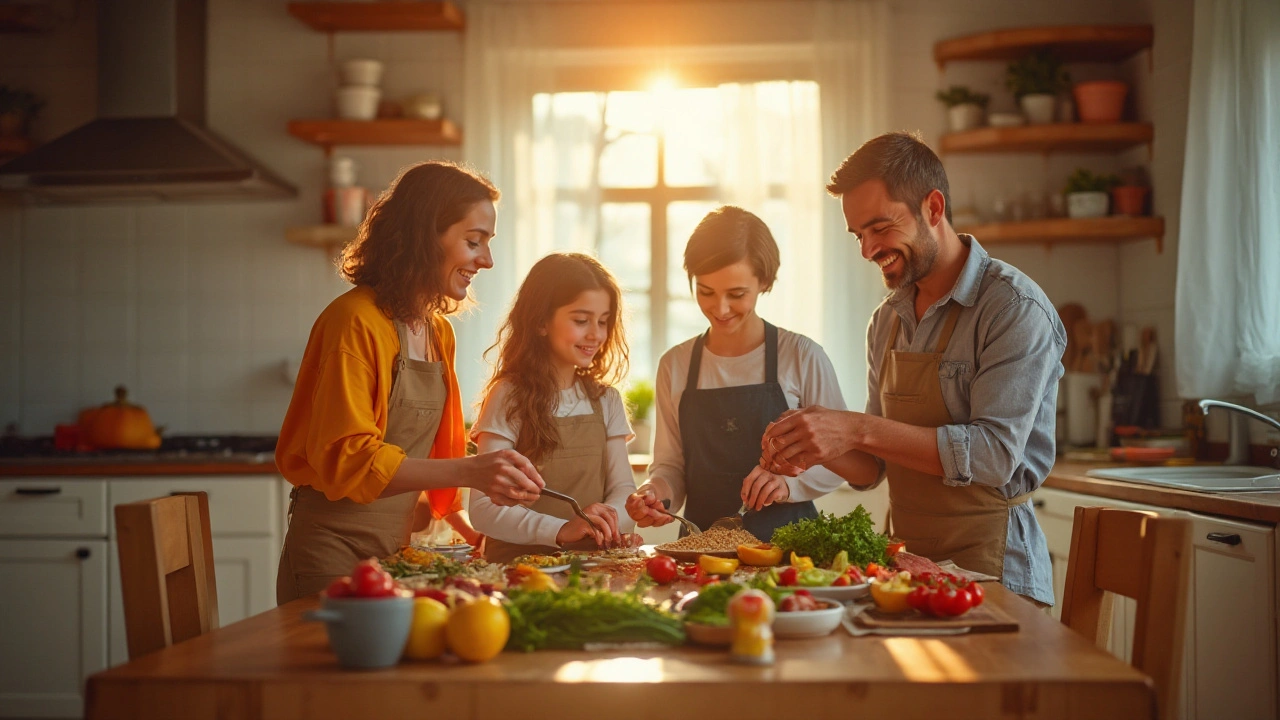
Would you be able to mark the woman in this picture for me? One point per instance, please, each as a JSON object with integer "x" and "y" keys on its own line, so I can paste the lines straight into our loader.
{"x": 376, "y": 415}
{"x": 717, "y": 392}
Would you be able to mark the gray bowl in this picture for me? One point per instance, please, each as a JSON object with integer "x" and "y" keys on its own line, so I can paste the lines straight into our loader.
{"x": 365, "y": 633}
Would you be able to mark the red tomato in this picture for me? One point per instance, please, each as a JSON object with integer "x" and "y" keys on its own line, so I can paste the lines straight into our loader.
{"x": 340, "y": 588}
{"x": 855, "y": 575}
{"x": 787, "y": 576}
{"x": 940, "y": 602}
{"x": 661, "y": 568}
{"x": 872, "y": 569}
{"x": 958, "y": 603}
{"x": 703, "y": 578}
{"x": 370, "y": 581}
{"x": 976, "y": 594}
{"x": 918, "y": 598}
{"x": 841, "y": 581}
{"x": 690, "y": 569}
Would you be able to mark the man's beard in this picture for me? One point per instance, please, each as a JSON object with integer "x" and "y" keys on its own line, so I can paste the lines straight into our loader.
{"x": 917, "y": 260}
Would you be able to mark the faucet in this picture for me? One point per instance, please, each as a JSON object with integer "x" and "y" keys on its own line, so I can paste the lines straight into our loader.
{"x": 1238, "y": 449}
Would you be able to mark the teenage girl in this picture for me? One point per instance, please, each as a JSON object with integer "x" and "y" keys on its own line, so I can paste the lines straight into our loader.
{"x": 552, "y": 398}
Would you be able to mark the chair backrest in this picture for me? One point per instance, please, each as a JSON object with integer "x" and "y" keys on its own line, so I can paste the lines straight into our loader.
{"x": 1142, "y": 556}
{"x": 166, "y": 570}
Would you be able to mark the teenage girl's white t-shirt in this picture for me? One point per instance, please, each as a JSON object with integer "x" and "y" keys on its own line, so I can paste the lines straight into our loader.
{"x": 494, "y": 431}
{"x": 804, "y": 372}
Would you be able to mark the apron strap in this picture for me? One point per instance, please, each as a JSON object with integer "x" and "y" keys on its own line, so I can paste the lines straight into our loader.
{"x": 888, "y": 348}
{"x": 948, "y": 328}
{"x": 770, "y": 353}
{"x": 695, "y": 361}
{"x": 402, "y": 333}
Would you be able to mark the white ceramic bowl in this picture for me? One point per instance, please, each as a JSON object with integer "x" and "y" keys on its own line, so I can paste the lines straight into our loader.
{"x": 358, "y": 102}
{"x": 360, "y": 71}
{"x": 808, "y": 623}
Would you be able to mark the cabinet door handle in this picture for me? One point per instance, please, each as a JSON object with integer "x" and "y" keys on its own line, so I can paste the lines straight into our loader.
{"x": 38, "y": 491}
{"x": 83, "y": 553}
{"x": 1225, "y": 538}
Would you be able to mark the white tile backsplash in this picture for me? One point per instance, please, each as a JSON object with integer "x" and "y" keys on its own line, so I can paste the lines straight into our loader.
{"x": 51, "y": 322}
{"x": 51, "y": 263}
{"x": 108, "y": 323}
{"x": 162, "y": 326}
{"x": 101, "y": 373}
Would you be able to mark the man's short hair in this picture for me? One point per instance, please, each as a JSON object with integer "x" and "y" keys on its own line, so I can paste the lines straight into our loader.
{"x": 901, "y": 160}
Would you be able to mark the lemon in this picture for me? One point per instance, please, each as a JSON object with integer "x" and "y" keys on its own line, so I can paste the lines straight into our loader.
{"x": 426, "y": 633}
{"x": 478, "y": 630}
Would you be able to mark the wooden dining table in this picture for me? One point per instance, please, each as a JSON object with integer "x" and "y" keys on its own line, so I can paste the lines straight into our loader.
{"x": 277, "y": 666}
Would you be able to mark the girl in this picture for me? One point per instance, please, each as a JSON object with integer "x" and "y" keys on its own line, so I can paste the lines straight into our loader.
{"x": 551, "y": 397}
{"x": 376, "y": 394}
{"x": 717, "y": 392}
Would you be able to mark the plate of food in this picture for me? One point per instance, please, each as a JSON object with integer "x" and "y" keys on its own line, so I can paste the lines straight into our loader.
{"x": 716, "y": 542}
{"x": 545, "y": 563}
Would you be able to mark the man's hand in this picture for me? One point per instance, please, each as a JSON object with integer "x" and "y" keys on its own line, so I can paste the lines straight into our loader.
{"x": 807, "y": 437}
{"x": 762, "y": 488}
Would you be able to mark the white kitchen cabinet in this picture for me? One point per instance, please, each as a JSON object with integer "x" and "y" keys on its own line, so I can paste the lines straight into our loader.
{"x": 53, "y": 632}
{"x": 1229, "y": 667}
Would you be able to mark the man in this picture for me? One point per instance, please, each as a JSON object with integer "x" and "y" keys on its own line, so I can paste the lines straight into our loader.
{"x": 963, "y": 361}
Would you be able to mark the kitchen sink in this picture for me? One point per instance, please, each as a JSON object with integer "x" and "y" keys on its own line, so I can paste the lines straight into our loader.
{"x": 1198, "y": 478}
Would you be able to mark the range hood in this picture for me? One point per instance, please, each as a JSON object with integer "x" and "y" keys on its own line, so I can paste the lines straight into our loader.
{"x": 150, "y": 142}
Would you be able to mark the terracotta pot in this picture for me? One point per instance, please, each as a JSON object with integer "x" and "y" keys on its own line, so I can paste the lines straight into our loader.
{"x": 1101, "y": 101}
{"x": 1129, "y": 199}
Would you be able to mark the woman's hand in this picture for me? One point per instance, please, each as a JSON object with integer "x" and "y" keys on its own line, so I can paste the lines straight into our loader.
{"x": 763, "y": 488}
{"x": 506, "y": 476}
{"x": 603, "y": 528}
{"x": 645, "y": 507}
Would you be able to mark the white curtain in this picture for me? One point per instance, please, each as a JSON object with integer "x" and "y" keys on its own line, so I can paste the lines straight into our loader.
{"x": 1228, "y": 292}
{"x": 518, "y": 50}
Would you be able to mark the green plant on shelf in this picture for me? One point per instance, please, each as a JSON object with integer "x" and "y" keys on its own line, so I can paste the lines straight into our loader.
{"x": 639, "y": 399}
{"x": 1039, "y": 73}
{"x": 1083, "y": 180}
{"x": 961, "y": 95}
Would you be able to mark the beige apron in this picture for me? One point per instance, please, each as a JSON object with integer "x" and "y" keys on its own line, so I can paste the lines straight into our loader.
{"x": 966, "y": 524}
{"x": 326, "y": 538}
{"x": 576, "y": 468}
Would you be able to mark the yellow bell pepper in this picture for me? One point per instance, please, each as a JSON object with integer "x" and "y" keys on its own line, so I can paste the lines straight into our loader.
{"x": 760, "y": 555}
{"x": 801, "y": 563}
{"x": 717, "y": 566}
{"x": 538, "y": 580}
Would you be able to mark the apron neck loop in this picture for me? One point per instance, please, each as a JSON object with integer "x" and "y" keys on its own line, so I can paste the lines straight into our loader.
{"x": 770, "y": 356}
{"x": 945, "y": 339}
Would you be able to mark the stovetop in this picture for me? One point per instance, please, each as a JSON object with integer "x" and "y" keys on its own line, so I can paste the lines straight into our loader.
{"x": 176, "y": 448}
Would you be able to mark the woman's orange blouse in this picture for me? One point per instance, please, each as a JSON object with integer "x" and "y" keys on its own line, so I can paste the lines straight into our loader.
{"x": 332, "y": 437}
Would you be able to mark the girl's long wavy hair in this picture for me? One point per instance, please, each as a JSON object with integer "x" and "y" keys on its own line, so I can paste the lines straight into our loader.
{"x": 397, "y": 251}
{"x": 524, "y": 357}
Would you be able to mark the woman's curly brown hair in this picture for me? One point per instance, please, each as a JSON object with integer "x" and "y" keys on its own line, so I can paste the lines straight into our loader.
{"x": 524, "y": 360}
{"x": 397, "y": 251}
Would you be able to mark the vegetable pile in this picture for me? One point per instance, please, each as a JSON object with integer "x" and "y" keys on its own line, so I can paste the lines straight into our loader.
{"x": 823, "y": 537}
{"x": 572, "y": 617}
{"x": 712, "y": 604}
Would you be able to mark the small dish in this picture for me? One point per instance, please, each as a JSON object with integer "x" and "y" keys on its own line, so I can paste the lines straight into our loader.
{"x": 808, "y": 623}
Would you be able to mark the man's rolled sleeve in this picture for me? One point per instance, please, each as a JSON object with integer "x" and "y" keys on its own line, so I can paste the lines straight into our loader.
{"x": 1018, "y": 364}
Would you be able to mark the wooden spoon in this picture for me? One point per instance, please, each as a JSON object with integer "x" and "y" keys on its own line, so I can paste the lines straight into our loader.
{"x": 1071, "y": 313}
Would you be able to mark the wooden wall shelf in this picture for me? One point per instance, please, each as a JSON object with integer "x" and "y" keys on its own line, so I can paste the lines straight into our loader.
{"x": 325, "y": 236}
{"x": 328, "y": 133}
{"x": 1071, "y": 43}
{"x": 1051, "y": 138}
{"x": 391, "y": 16}
{"x": 1070, "y": 230}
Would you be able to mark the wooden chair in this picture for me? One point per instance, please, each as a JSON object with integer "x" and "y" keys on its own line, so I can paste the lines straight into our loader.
{"x": 1141, "y": 556}
{"x": 166, "y": 570}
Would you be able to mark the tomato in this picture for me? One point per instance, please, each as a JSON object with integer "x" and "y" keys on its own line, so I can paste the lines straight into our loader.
{"x": 661, "y": 568}
{"x": 976, "y": 594}
{"x": 919, "y": 598}
{"x": 854, "y": 575}
{"x": 371, "y": 581}
{"x": 340, "y": 588}
{"x": 787, "y": 576}
{"x": 940, "y": 602}
{"x": 841, "y": 581}
{"x": 872, "y": 569}
{"x": 959, "y": 602}
{"x": 690, "y": 569}
{"x": 894, "y": 548}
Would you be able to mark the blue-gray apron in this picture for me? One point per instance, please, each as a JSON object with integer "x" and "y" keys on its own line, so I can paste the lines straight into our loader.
{"x": 721, "y": 429}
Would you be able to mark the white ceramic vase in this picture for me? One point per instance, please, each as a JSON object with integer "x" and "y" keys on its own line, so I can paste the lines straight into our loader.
{"x": 965, "y": 117}
{"x": 1087, "y": 204}
{"x": 1038, "y": 108}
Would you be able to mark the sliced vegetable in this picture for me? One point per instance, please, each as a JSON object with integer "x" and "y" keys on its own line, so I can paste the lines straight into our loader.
{"x": 760, "y": 555}
{"x": 801, "y": 563}
{"x": 716, "y": 565}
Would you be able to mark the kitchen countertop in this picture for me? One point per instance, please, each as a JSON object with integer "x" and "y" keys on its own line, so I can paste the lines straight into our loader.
{"x": 1255, "y": 506}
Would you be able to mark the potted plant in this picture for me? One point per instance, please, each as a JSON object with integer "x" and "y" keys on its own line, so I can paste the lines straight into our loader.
{"x": 1035, "y": 82}
{"x": 1087, "y": 193}
{"x": 965, "y": 108}
{"x": 639, "y": 400}
{"x": 1129, "y": 196}
{"x": 17, "y": 108}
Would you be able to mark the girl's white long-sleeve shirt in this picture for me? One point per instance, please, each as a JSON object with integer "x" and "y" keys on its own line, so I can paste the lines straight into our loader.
{"x": 494, "y": 431}
{"x": 807, "y": 378}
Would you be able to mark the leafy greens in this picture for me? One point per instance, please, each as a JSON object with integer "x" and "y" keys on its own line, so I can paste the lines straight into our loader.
{"x": 822, "y": 537}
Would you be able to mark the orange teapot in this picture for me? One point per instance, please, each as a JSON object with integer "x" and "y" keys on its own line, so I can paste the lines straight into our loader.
{"x": 118, "y": 425}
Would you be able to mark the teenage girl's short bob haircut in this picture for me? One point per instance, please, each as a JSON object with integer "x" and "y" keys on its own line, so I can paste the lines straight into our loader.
{"x": 728, "y": 235}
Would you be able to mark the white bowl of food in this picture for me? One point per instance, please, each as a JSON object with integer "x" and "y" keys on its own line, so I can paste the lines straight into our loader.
{"x": 803, "y": 616}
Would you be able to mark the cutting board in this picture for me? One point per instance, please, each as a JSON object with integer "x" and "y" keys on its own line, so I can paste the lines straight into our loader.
{"x": 984, "y": 618}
